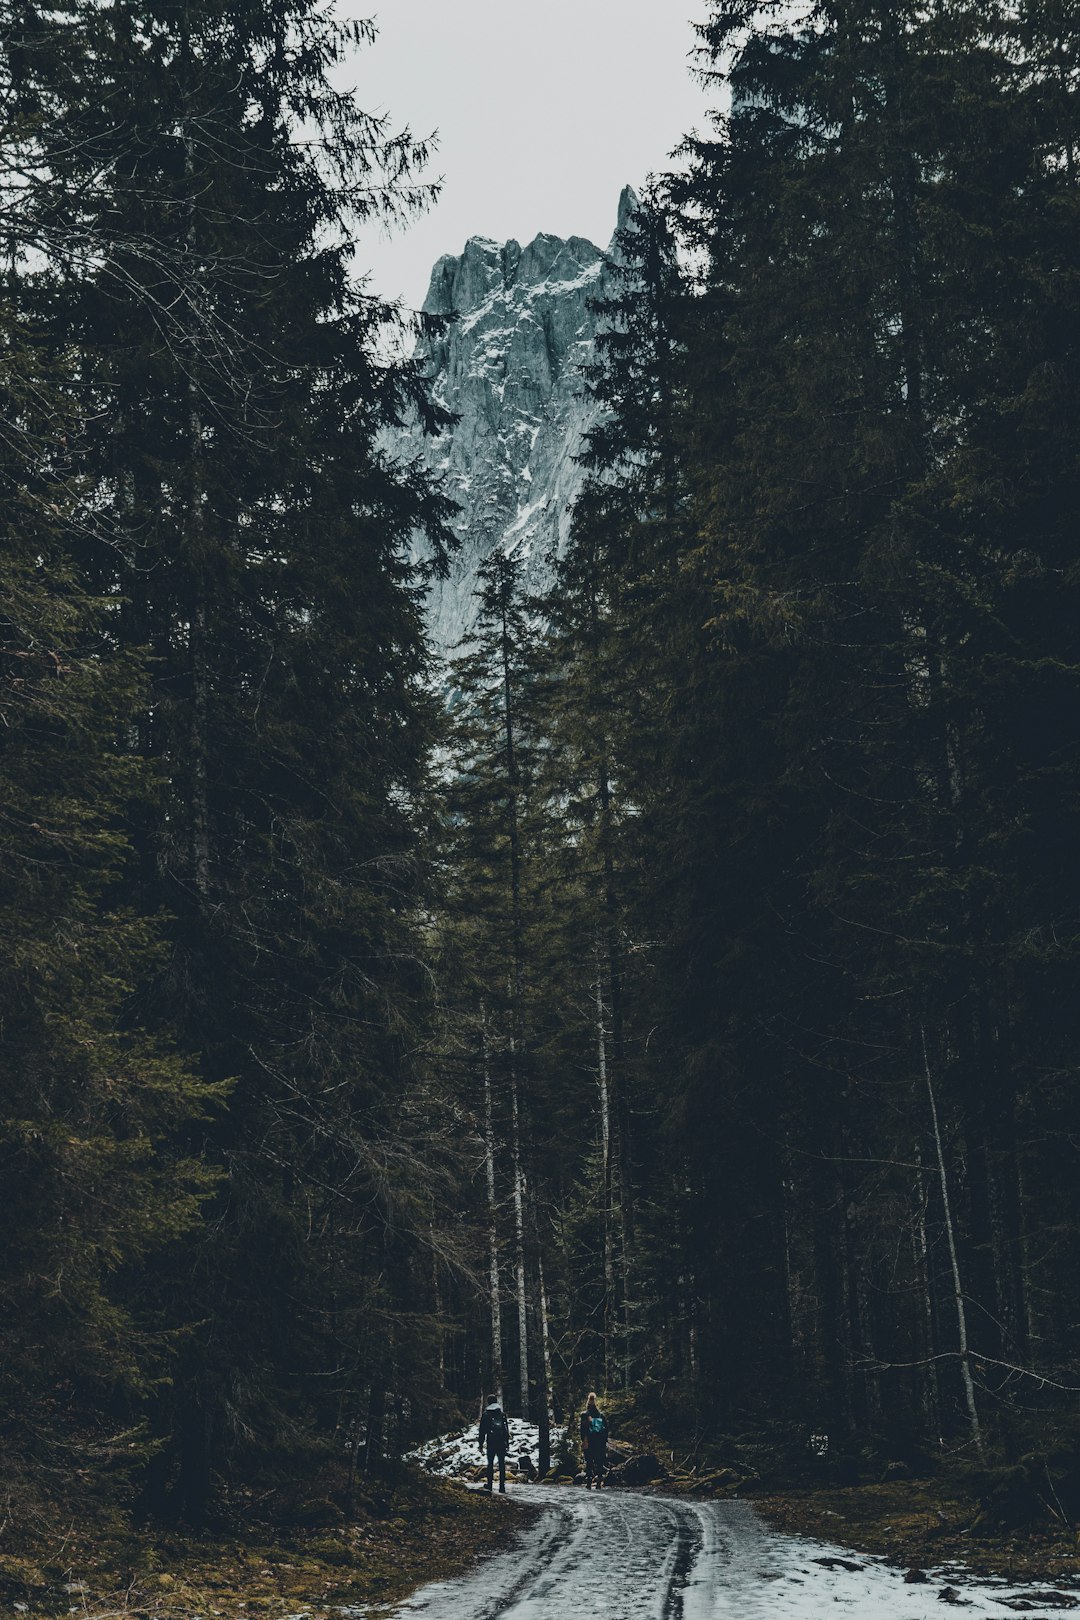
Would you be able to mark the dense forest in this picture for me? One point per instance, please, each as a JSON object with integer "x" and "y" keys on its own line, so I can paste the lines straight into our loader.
{"x": 677, "y": 994}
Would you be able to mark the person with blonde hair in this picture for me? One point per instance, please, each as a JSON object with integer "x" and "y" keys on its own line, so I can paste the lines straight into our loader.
{"x": 594, "y": 1436}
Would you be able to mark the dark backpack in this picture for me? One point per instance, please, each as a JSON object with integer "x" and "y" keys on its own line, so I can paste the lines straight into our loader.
{"x": 498, "y": 1433}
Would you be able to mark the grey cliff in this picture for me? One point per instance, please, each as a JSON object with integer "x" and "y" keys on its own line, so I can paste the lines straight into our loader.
{"x": 509, "y": 366}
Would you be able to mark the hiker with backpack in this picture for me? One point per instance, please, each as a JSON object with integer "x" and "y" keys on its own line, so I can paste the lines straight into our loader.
{"x": 594, "y": 1437}
{"x": 495, "y": 1434}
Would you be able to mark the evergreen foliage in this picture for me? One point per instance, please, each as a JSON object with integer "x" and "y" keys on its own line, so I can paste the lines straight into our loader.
{"x": 96, "y": 1104}
{"x": 807, "y": 704}
{"x": 687, "y": 1007}
{"x": 811, "y": 522}
{"x": 249, "y": 721}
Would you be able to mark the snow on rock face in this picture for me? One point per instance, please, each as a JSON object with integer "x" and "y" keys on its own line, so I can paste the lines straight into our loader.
{"x": 509, "y": 366}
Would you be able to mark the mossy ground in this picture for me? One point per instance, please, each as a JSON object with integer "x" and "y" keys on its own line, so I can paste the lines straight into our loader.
{"x": 923, "y": 1523}
{"x": 415, "y": 1530}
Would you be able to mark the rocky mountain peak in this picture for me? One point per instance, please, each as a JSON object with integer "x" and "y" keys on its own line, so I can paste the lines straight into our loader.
{"x": 509, "y": 365}
{"x": 629, "y": 201}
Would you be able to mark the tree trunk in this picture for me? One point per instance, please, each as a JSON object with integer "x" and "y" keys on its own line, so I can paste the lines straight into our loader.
{"x": 931, "y": 1390}
{"x": 436, "y": 1295}
{"x": 954, "y": 1260}
{"x": 494, "y": 1289}
{"x": 1031, "y": 1322}
{"x": 853, "y": 1351}
{"x": 796, "y": 1334}
{"x": 521, "y": 1279}
{"x": 376, "y": 1425}
{"x": 517, "y": 1017}
{"x": 605, "y": 1179}
{"x": 1007, "y": 1222}
{"x": 546, "y": 1414}
{"x": 195, "y": 549}
{"x": 832, "y": 1337}
{"x": 615, "y": 1075}
{"x": 200, "y": 711}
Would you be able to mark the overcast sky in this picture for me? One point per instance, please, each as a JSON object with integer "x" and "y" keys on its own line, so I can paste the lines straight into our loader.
{"x": 545, "y": 109}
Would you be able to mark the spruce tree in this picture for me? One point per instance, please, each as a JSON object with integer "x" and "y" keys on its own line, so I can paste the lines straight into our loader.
{"x": 257, "y": 536}
{"x": 96, "y": 1106}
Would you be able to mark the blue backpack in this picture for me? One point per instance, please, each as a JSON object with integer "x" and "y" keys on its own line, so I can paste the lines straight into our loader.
{"x": 597, "y": 1425}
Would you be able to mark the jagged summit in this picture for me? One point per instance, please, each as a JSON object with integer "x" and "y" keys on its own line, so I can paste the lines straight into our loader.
{"x": 461, "y": 284}
{"x": 629, "y": 201}
{"x": 509, "y": 366}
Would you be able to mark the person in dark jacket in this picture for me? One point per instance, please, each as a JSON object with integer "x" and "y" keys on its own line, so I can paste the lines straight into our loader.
{"x": 594, "y": 1436}
{"x": 495, "y": 1434}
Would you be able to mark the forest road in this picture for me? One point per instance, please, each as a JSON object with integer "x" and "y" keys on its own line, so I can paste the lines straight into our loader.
{"x": 617, "y": 1555}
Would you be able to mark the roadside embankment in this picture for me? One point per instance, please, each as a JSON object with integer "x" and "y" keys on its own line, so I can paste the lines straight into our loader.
{"x": 924, "y": 1522}
{"x": 258, "y": 1564}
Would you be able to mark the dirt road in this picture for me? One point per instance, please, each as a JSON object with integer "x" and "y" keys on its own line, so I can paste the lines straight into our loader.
{"x": 618, "y": 1555}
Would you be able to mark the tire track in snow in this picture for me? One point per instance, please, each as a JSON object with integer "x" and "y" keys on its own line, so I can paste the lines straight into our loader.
{"x": 618, "y": 1555}
{"x": 689, "y": 1544}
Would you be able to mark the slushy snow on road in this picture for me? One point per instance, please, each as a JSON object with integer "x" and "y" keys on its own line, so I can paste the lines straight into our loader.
{"x": 624, "y": 1556}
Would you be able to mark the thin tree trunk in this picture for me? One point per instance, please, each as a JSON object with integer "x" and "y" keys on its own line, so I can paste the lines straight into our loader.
{"x": 931, "y": 1389}
{"x": 618, "y": 1093}
{"x": 545, "y": 1325}
{"x": 546, "y": 1416}
{"x": 436, "y": 1291}
{"x": 692, "y": 1330}
{"x": 830, "y": 1325}
{"x": 1065, "y": 107}
{"x": 494, "y": 1289}
{"x": 544, "y": 1394}
{"x": 195, "y": 548}
{"x": 871, "y": 1376}
{"x": 521, "y": 1279}
{"x": 854, "y": 1347}
{"x": 855, "y": 1336}
{"x": 200, "y": 713}
{"x": 954, "y": 1260}
{"x": 901, "y": 168}
{"x": 1030, "y": 1319}
{"x": 605, "y": 1183}
{"x": 1006, "y": 1200}
{"x": 517, "y": 1009}
{"x": 678, "y": 1331}
{"x": 376, "y": 1426}
{"x": 795, "y": 1325}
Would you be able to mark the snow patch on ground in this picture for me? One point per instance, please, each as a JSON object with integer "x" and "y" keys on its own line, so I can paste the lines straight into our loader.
{"x": 797, "y": 1579}
{"x": 457, "y": 1455}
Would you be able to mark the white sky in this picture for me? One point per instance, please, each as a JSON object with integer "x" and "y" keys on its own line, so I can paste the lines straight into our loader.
{"x": 545, "y": 109}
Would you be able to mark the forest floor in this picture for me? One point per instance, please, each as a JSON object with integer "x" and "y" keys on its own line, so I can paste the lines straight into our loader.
{"x": 416, "y": 1530}
{"x": 923, "y": 1522}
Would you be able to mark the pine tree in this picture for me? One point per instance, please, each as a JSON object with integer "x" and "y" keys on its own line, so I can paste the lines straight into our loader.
{"x": 257, "y": 536}
{"x": 95, "y": 1103}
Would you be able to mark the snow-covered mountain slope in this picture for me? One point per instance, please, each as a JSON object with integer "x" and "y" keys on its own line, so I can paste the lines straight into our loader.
{"x": 509, "y": 366}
